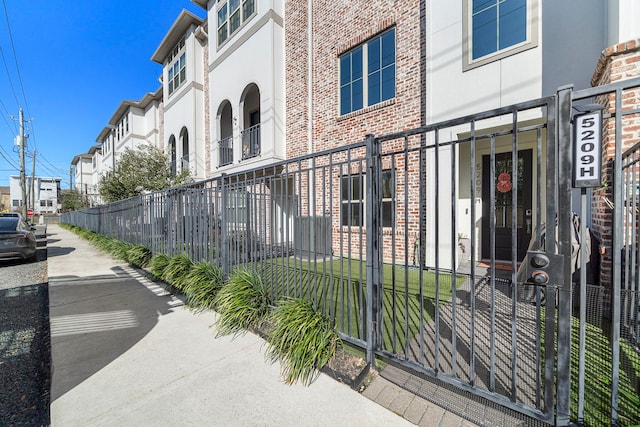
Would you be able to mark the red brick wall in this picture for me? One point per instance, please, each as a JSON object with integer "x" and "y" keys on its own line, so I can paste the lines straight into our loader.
{"x": 337, "y": 28}
{"x": 618, "y": 62}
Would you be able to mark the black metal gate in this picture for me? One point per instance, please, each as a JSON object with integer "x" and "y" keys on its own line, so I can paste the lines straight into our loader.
{"x": 474, "y": 307}
{"x": 454, "y": 311}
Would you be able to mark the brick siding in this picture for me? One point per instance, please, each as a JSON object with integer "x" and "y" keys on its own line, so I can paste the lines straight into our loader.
{"x": 618, "y": 62}
{"x": 337, "y": 28}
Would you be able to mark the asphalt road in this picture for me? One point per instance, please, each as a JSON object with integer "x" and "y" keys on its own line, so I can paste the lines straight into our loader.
{"x": 25, "y": 354}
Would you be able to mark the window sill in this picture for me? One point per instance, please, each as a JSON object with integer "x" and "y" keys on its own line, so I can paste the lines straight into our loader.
{"x": 470, "y": 64}
{"x": 366, "y": 110}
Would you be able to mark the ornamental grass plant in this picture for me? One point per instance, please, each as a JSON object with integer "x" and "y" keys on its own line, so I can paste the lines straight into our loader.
{"x": 118, "y": 249}
{"x": 139, "y": 256}
{"x": 242, "y": 303}
{"x": 158, "y": 264}
{"x": 177, "y": 270}
{"x": 202, "y": 284}
{"x": 302, "y": 339}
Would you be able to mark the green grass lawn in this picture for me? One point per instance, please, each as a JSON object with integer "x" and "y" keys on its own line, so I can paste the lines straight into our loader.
{"x": 598, "y": 368}
{"x": 337, "y": 286}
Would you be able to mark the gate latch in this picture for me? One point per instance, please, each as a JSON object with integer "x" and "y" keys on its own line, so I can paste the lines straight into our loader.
{"x": 544, "y": 269}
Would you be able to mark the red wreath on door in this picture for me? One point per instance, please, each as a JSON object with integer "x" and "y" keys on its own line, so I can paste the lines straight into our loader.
{"x": 504, "y": 182}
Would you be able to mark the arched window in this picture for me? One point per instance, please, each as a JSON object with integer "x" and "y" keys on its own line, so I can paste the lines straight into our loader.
{"x": 225, "y": 140}
{"x": 250, "y": 122}
{"x": 184, "y": 160}
{"x": 172, "y": 153}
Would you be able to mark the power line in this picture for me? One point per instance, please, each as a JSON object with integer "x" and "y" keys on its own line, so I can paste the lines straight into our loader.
{"x": 43, "y": 158}
{"x": 4, "y": 117}
{"x": 15, "y": 57}
{"x": 3, "y": 154}
{"x": 4, "y": 61}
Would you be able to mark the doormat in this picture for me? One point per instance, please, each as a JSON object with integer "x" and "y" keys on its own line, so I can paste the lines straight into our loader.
{"x": 499, "y": 266}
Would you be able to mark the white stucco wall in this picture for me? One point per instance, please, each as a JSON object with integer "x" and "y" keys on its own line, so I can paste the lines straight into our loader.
{"x": 623, "y": 17}
{"x": 253, "y": 55}
{"x": 452, "y": 92}
{"x": 573, "y": 36}
{"x": 151, "y": 120}
{"x": 184, "y": 108}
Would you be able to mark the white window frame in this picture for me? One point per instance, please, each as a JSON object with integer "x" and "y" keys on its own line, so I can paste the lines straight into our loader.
{"x": 177, "y": 73}
{"x": 531, "y": 41}
{"x": 360, "y": 203}
{"x": 366, "y": 72}
{"x": 225, "y": 11}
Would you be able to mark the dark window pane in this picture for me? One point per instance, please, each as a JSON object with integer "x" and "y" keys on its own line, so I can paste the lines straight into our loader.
{"x": 374, "y": 88}
{"x": 484, "y": 33}
{"x": 234, "y": 22}
{"x": 356, "y": 188}
{"x": 248, "y": 8}
{"x": 387, "y": 214}
{"x": 513, "y": 23}
{"x": 388, "y": 83}
{"x": 388, "y": 186}
{"x": 374, "y": 55}
{"x": 344, "y": 214}
{"x": 351, "y": 214}
{"x": 222, "y": 34}
{"x": 478, "y": 5}
{"x": 356, "y": 214}
{"x": 344, "y": 184}
{"x": 345, "y": 99}
{"x": 388, "y": 48}
{"x": 356, "y": 64}
{"x": 345, "y": 69}
{"x": 222, "y": 15}
{"x": 356, "y": 95}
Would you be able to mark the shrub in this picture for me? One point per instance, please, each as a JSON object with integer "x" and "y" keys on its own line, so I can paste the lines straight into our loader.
{"x": 177, "y": 271}
{"x": 119, "y": 249}
{"x": 302, "y": 338}
{"x": 158, "y": 264}
{"x": 139, "y": 256}
{"x": 202, "y": 284}
{"x": 242, "y": 303}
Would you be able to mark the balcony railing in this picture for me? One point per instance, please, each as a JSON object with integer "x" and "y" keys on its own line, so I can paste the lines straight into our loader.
{"x": 225, "y": 151}
{"x": 250, "y": 142}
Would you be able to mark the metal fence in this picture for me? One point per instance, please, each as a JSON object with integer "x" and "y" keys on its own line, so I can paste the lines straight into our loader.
{"x": 419, "y": 246}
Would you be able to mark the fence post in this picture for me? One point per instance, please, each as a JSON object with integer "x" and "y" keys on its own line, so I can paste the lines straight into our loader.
{"x": 563, "y": 388}
{"x": 224, "y": 247}
{"x": 373, "y": 242}
{"x": 169, "y": 218}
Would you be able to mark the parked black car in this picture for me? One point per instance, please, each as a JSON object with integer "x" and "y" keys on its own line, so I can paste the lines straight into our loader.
{"x": 17, "y": 240}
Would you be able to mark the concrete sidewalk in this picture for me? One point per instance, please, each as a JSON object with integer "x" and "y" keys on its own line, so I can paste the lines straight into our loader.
{"x": 126, "y": 353}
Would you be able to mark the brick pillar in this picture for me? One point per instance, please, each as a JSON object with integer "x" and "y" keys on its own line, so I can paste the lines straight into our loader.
{"x": 616, "y": 63}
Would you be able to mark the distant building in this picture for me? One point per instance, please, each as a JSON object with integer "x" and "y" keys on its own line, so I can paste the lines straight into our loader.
{"x": 86, "y": 173}
{"x": 5, "y": 199}
{"x": 46, "y": 194}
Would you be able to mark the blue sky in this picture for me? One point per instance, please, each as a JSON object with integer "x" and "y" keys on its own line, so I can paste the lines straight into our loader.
{"x": 76, "y": 62}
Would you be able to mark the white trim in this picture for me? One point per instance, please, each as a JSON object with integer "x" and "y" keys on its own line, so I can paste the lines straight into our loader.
{"x": 468, "y": 63}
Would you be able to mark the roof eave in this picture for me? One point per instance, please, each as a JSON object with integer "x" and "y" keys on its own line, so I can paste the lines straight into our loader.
{"x": 202, "y": 3}
{"x": 177, "y": 30}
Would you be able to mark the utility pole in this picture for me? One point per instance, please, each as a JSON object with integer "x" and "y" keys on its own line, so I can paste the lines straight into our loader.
{"x": 23, "y": 185}
{"x": 33, "y": 182}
